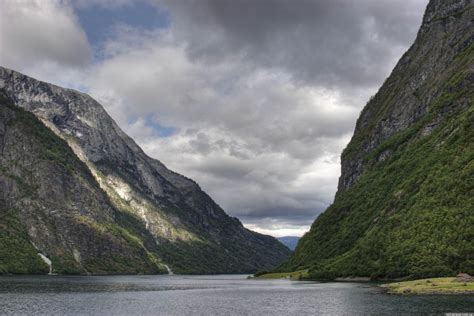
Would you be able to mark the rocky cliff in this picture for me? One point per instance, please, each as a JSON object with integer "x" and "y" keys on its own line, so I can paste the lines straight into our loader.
{"x": 405, "y": 200}
{"x": 50, "y": 204}
{"x": 166, "y": 215}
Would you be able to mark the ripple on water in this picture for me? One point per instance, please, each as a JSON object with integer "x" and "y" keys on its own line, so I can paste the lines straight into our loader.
{"x": 204, "y": 295}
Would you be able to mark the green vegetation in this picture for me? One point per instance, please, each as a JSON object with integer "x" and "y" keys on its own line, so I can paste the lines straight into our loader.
{"x": 90, "y": 229}
{"x": 130, "y": 256}
{"x": 64, "y": 263}
{"x": 54, "y": 149}
{"x": 431, "y": 286}
{"x": 17, "y": 255}
{"x": 111, "y": 245}
{"x": 296, "y": 275}
{"x": 409, "y": 214}
{"x": 200, "y": 257}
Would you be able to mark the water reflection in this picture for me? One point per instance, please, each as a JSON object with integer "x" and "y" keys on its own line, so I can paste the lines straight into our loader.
{"x": 205, "y": 295}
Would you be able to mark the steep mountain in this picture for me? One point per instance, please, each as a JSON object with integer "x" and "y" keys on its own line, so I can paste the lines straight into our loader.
{"x": 405, "y": 200}
{"x": 51, "y": 204}
{"x": 289, "y": 241}
{"x": 107, "y": 186}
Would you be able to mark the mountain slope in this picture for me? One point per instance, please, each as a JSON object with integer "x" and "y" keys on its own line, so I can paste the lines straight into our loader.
{"x": 405, "y": 200}
{"x": 289, "y": 241}
{"x": 191, "y": 233}
{"x": 51, "y": 204}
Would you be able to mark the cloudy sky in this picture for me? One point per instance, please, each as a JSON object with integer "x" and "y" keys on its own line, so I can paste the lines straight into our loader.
{"x": 254, "y": 99}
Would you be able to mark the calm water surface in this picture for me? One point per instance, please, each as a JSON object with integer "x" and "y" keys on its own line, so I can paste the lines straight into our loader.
{"x": 209, "y": 295}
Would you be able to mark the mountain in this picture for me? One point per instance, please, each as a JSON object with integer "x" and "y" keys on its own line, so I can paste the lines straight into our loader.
{"x": 405, "y": 199}
{"x": 289, "y": 241}
{"x": 50, "y": 203}
{"x": 75, "y": 188}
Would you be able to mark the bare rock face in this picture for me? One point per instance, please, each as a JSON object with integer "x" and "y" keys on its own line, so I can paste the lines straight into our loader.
{"x": 464, "y": 277}
{"x": 405, "y": 96}
{"x": 51, "y": 208}
{"x": 404, "y": 205}
{"x": 191, "y": 232}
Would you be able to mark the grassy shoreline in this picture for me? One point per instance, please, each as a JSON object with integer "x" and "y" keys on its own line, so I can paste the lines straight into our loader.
{"x": 296, "y": 275}
{"x": 445, "y": 285}
{"x": 431, "y": 286}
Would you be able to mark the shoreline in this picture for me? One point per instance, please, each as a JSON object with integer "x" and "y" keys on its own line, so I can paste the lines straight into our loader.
{"x": 401, "y": 286}
{"x": 431, "y": 286}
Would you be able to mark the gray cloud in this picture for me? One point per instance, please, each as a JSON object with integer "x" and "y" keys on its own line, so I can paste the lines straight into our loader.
{"x": 259, "y": 126}
{"x": 266, "y": 94}
{"x": 262, "y": 95}
{"x": 324, "y": 42}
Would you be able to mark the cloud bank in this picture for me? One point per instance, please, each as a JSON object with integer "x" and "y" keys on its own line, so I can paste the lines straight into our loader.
{"x": 35, "y": 32}
{"x": 255, "y": 100}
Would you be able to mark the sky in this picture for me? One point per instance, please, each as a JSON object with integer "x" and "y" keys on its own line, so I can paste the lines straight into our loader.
{"x": 253, "y": 99}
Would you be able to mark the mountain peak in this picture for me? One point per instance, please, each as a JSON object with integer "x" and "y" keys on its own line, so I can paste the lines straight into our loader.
{"x": 405, "y": 195}
{"x": 184, "y": 222}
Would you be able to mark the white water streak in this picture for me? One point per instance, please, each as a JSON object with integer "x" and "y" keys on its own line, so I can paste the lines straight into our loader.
{"x": 47, "y": 261}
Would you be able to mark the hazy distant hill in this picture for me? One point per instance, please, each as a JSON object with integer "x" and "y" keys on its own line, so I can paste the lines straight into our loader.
{"x": 289, "y": 241}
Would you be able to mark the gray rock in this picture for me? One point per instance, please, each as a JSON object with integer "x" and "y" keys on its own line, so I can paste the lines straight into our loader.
{"x": 396, "y": 108}
{"x": 186, "y": 224}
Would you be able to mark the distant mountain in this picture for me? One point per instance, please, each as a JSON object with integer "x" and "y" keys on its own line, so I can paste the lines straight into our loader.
{"x": 289, "y": 241}
{"x": 75, "y": 188}
{"x": 405, "y": 201}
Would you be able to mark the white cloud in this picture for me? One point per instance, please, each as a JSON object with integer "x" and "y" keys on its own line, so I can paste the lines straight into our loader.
{"x": 34, "y": 32}
{"x": 279, "y": 230}
{"x": 261, "y": 145}
{"x": 260, "y": 109}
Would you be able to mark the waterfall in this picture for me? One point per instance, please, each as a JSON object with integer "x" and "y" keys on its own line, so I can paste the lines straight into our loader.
{"x": 169, "y": 270}
{"x": 48, "y": 262}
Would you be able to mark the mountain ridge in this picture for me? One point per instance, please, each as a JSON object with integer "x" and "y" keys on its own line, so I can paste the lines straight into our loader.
{"x": 50, "y": 217}
{"x": 289, "y": 241}
{"x": 404, "y": 202}
{"x": 192, "y": 233}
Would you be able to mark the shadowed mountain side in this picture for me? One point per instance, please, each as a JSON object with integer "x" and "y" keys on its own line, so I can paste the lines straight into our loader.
{"x": 404, "y": 205}
{"x": 190, "y": 232}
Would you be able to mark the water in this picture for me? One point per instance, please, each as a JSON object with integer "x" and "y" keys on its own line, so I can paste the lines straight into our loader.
{"x": 208, "y": 295}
